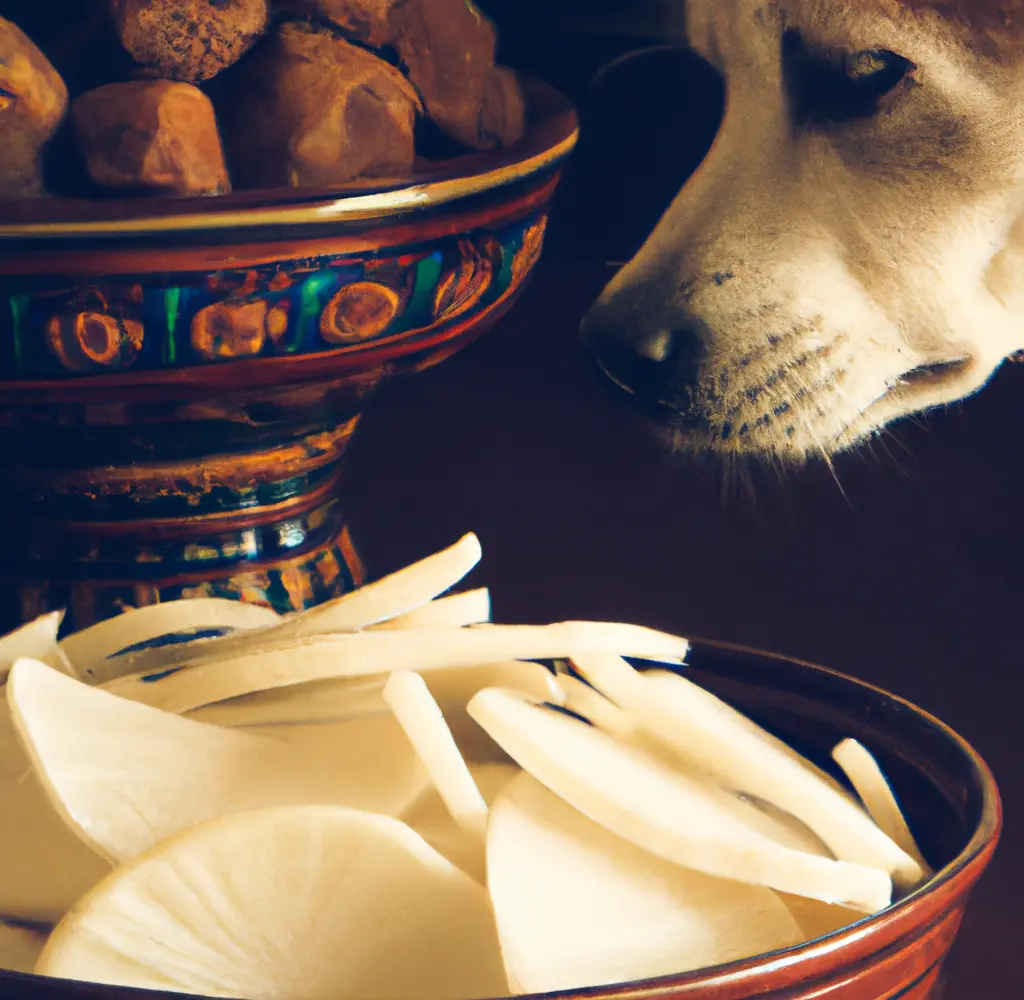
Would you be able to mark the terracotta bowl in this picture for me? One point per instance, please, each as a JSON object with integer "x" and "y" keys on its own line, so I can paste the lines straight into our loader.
{"x": 179, "y": 379}
{"x": 946, "y": 789}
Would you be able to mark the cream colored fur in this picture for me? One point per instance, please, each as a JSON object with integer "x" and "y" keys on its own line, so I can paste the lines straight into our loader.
{"x": 841, "y": 277}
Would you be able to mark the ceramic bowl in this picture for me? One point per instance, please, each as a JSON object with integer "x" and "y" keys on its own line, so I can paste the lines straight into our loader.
{"x": 179, "y": 379}
{"x": 945, "y": 788}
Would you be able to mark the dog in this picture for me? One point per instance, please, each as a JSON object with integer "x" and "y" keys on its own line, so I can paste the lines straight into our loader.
{"x": 851, "y": 250}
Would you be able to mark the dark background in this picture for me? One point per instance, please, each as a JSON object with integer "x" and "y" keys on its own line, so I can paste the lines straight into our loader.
{"x": 910, "y": 576}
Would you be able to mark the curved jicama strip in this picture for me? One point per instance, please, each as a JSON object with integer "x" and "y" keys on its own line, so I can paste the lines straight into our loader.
{"x": 383, "y": 599}
{"x": 337, "y": 699}
{"x": 344, "y": 699}
{"x": 20, "y": 946}
{"x": 875, "y": 792}
{"x": 173, "y": 772}
{"x": 37, "y": 640}
{"x": 314, "y": 902}
{"x": 430, "y": 818}
{"x": 472, "y": 607}
{"x": 393, "y": 595}
{"x": 419, "y": 715}
{"x": 706, "y": 733}
{"x": 454, "y": 689}
{"x": 673, "y": 815}
{"x": 582, "y": 699}
{"x": 45, "y": 867}
{"x": 578, "y": 907}
{"x": 182, "y": 689}
{"x": 92, "y": 649}
{"x": 671, "y": 682}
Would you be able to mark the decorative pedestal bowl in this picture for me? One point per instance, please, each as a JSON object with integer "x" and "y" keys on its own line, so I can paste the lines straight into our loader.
{"x": 179, "y": 379}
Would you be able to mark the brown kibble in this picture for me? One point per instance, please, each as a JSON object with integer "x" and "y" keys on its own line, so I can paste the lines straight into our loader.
{"x": 157, "y": 136}
{"x": 503, "y": 115}
{"x": 33, "y": 102}
{"x": 313, "y": 110}
{"x": 190, "y": 40}
{"x": 365, "y": 21}
{"x": 448, "y": 48}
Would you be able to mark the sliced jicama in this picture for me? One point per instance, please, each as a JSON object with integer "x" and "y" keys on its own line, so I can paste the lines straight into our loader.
{"x": 337, "y": 699}
{"x": 20, "y": 946}
{"x": 360, "y": 654}
{"x": 432, "y": 820}
{"x": 344, "y": 699}
{"x": 95, "y": 650}
{"x": 36, "y": 639}
{"x": 577, "y": 906}
{"x": 309, "y": 902}
{"x": 875, "y": 792}
{"x": 45, "y": 867}
{"x": 472, "y": 607}
{"x": 674, "y": 815}
{"x": 393, "y": 595}
{"x": 125, "y": 776}
{"x": 454, "y": 689}
{"x": 419, "y": 715}
{"x": 582, "y": 699}
{"x": 705, "y": 732}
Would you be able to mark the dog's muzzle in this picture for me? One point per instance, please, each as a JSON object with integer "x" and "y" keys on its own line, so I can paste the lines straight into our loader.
{"x": 656, "y": 372}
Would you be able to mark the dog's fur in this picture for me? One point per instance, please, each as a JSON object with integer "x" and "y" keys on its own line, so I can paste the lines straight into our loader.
{"x": 840, "y": 270}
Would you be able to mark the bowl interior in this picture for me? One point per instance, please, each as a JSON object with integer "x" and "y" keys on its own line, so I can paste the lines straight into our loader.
{"x": 944, "y": 788}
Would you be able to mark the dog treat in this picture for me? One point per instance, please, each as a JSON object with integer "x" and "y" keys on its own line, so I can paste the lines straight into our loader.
{"x": 33, "y": 102}
{"x": 503, "y": 114}
{"x": 448, "y": 48}
{"x": 366, "y": 21}
{"x": 314, "y": 110}
{"x": 155, "y": 135}
{"x": 190, "y": 40}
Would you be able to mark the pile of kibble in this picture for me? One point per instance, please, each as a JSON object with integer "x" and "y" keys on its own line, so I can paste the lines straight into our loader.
{"x": 196, "y": 97}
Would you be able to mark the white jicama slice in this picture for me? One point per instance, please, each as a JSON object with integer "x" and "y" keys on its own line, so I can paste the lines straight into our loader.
{"x": 578, "y": 907}
{"x": 94, "y": 651}
{"x": 44, "y": 866}
{"x": 704, "y": 731}
{"x": 454, "y": 689}
{"x": 431, "y": 819}
{"x": 182, "y": 689}
{"x": 308, "y": 902}
{"x": 674, "y": 815}
{"x": 348, "y": 698}
{"x": 125, "y": 776}
{"x": 20, "y": 946}
{"x": 472, "y": 607}
{"x": 582, "y": 699}
{"x": 36, "y": 639}
{"x": 421, "y": 718}
{"x": 392, "y": 595}
{"x": 333, "y": 700}
{"x": 875, "y": 792}
{"x": 369, "y": 605}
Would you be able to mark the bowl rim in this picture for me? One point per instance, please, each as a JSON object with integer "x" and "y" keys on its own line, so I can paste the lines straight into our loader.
{"x": 966, "y": 868}
{"x": 551, "y": 135}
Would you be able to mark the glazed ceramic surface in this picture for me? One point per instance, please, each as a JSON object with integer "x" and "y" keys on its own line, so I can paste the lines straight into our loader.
{"x": 179, "y": 380}
{"x": 945, "y": 788}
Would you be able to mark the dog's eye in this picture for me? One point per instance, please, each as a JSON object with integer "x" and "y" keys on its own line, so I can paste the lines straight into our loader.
{"x": 828, "y": 88}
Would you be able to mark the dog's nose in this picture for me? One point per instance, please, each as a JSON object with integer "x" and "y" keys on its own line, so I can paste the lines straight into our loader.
{"x": 657, "y": 369}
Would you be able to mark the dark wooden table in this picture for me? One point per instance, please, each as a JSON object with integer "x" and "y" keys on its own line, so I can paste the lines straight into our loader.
{"x": 911, "y": 577}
